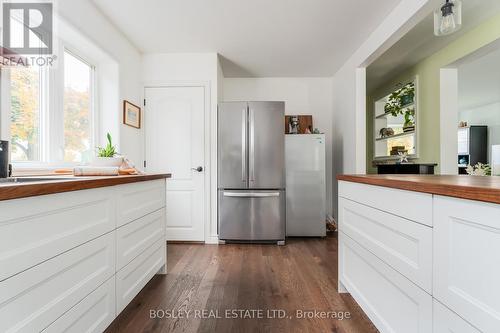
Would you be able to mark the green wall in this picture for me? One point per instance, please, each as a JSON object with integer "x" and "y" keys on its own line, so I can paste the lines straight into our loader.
{"x": 428, "y": 89}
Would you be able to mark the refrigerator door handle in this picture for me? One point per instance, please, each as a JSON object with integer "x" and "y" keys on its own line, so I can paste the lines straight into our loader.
{"x": 244, "y": 145}
{"x": 251, "y": 194}
{"x": 251, "y": 162}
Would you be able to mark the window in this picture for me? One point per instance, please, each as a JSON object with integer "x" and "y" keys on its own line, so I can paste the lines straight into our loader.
{"x": 77, "y": 109}
{"x": 52, "y": 112}
{"x": 25, "y": 114}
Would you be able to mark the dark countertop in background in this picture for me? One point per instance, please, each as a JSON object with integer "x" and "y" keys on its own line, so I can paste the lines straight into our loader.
{"x": 477, "y": 188}
{"x": 59, "y": 184}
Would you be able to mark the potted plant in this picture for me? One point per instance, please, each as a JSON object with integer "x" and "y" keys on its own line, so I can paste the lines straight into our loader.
{"x": 479, "y": 169}
{"x": 400, "y": 99}
{"x": 106, "y": 156}
{"x": 409, "y": 124}
{"x": 398, "y": 104}
{"x": 406, "y": 94}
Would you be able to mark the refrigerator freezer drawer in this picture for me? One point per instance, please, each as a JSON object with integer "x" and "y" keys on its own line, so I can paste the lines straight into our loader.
{"x": 252, "y": 215}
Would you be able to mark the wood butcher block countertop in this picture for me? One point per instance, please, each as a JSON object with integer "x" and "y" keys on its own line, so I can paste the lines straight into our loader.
{"x": 478, "y": 188}
{"x": 58, "y": 184}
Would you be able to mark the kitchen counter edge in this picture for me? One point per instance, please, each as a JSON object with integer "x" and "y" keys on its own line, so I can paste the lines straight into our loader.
{"x": 478, "y": 188}
{"x": 24, "y": 190}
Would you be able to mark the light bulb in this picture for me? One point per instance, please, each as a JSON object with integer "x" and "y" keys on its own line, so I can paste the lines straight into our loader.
{"x": 447, "y": 24}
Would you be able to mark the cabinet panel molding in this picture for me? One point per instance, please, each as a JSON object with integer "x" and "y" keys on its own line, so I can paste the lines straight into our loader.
{"x": 404, "y": 245}
{"x": 414, "y": 206}
{"x": 139, "y": 199}
{"x": 33, "y": 299}
{"x": 133, "y": 277}
{"x": 91, "y": 315}
{"x": 466, "y": 265}
{"x": 390, "y": 300}
{"x": 35, "y": 229}
{"x": 134, "y": 238}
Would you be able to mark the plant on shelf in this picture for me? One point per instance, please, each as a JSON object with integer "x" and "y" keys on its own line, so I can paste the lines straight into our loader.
{"x": 406, "y": 94}
{"x": 398, "y": 102}
{"x": 409, "y": 124}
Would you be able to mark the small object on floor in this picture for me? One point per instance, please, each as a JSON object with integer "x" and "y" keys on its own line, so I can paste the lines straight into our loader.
{"x": 331, "y": 224}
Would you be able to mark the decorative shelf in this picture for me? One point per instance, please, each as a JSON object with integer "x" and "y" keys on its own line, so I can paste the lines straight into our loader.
{"x": 383, "y": 115}
{"x": 391, "y": 100}
{"x": 396, "y": 135}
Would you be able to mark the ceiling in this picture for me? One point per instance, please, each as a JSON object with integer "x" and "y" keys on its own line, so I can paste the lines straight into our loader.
{"x": 479, "y": 81}
{"x": 420, "y": 42}
{"x": 255, "y": 38}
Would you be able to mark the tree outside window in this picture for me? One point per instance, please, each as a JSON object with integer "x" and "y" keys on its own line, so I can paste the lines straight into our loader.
{"x": 25, "y": 114}
{"x": 65, "y": 127}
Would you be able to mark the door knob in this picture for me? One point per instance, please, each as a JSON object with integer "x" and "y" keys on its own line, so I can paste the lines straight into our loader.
{"x": 198, "y": 169}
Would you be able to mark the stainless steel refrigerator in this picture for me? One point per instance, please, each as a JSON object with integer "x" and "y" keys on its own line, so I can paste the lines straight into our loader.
{"x": 251, "y": 171}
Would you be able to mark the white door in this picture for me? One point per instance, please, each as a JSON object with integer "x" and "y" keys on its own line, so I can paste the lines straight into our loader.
{"x": 174, "y": 129}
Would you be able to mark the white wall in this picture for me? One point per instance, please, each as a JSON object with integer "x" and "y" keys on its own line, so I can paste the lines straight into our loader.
{"x": 349, "y": 88}
{"x": 488, "y": 115}
{"x": 220, "y": 81}
{"x": 301, "y": 95}
{"x": 448, "y": 118}
{"x": 171, "y": 68}
{"x": 85, "y": 17}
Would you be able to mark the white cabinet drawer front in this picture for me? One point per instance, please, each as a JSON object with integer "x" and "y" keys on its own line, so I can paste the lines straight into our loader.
{"x": 33, "y": 230}
{"x": 92, "y": 314}
{"x": 446, "y": 321}
{"x": 139, "y": 199}
{"x": 403, "y": 244}
{"x": 133, "y": 238}
{"x": 391, "y": 301}
{"x": 33, "y": 299}
{"x": 133, "y": 277}
{"x": 466, "y": 260}
{"x": 411, "y": 205}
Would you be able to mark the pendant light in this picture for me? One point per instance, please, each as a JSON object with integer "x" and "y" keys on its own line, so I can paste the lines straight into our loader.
{"x": 448, "y": 18}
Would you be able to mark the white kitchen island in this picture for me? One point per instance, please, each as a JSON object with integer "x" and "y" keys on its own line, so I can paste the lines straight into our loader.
{"x": 422, "y": 253}
{"x": 73, "y": 258}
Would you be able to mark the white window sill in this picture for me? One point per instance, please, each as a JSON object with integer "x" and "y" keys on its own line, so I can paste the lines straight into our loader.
{"x": 39, "y": 169}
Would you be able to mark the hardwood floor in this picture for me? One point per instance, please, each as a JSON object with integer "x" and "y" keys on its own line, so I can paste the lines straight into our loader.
{"x": 299, "y": 276}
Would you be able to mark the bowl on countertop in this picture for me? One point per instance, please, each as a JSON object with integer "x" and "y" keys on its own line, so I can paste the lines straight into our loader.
{"x": 107, "y": 161}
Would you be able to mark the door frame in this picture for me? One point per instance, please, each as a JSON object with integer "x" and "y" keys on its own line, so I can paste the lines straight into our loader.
{"x": 210, "y": 177}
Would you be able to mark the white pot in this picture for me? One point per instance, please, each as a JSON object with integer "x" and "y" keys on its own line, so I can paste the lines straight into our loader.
{"x": 107, "y": 161}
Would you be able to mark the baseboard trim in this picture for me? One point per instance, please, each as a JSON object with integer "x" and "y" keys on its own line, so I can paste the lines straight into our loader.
{"x": 184, "y": 242}
{"x": 212, "y": 240}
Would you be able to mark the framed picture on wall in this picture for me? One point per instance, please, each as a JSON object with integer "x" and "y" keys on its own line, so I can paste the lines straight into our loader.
{"x": 131, "y": 114}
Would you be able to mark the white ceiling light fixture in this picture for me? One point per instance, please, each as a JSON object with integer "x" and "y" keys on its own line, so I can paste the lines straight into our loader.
{"x": 448, "y": 18}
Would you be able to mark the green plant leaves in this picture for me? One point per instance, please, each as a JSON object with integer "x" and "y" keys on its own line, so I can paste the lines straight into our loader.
{"x": 109, "y": 150}
{"x": 398, "y": 100}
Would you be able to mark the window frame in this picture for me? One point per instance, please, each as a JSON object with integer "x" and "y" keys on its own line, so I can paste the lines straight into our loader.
{"x": 52, "y": 140}
{"x": 66, "y": 48}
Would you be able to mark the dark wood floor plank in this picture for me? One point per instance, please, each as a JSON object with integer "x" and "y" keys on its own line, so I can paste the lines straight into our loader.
{"x": 220, "y": 288}
{"x": 299, "y": 276}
